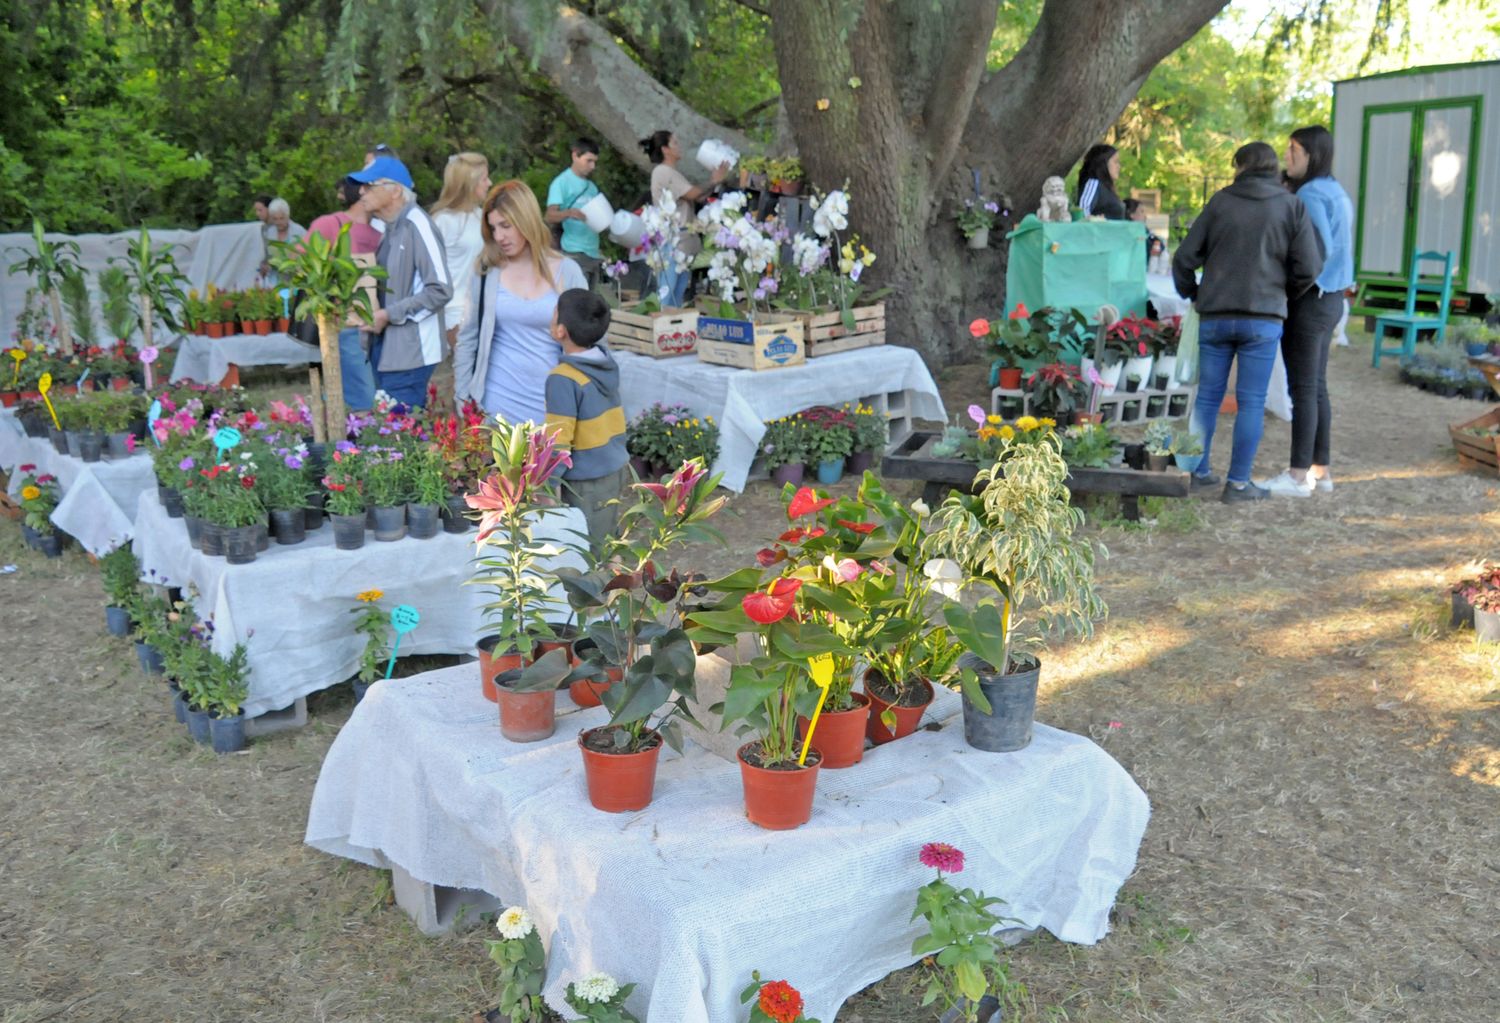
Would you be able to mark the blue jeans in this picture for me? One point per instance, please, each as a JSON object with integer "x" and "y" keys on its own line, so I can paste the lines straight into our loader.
{"x": 675, "y": 281}
{"x": 408, "y": 386}
{"x": 354, "y": 366}
{"x": 1220, "y": 342}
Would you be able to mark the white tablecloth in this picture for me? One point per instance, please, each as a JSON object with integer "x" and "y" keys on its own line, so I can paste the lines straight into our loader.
{"x": 290, "y": 607}
{"x": 741, "y": 400}
{"x": 226, "y": 255}
{"x": 687, "y": 897}
{"x": 98, "y": 498}
{"x": 207, "y": 359}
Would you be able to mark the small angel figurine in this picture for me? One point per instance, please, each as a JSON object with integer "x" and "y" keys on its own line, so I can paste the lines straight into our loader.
{"x": 1054, "y": 206}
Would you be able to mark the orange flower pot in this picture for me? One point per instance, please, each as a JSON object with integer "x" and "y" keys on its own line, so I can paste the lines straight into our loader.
{"x": 779, "y": 800}
{"x": 527, "y": 717}
{"x": 8, "y": 399}
{"x": 619, "y": 782}
{"x": 840, "y": 735}
{"x": 262, "y": 327}
{"x": 491, "y": 665}
{"x": 586, "y": 693}
{"x": 907, "y": 718}
{"x": 232, "y": 377}
{"x": 214, "y": 329}
{"x": 1010, "y": 378}
{"x": 283, "y": 325}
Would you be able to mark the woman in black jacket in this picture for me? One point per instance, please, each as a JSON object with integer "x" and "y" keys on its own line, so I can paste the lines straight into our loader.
{"x": 1257, "y": 246}
{"x": 1096, "y": 183}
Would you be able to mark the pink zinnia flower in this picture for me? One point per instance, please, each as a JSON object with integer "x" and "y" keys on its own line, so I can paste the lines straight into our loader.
{"x": 942, "y": 857}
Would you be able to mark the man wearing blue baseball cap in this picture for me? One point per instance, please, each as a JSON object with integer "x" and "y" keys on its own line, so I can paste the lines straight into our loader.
{"x": 408, "y": 326}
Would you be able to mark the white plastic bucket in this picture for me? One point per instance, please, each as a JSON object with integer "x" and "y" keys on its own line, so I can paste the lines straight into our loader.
{"x": 627, "y": 229}
{"x": 713, "y": 152}
{"x": 597, "y": 213}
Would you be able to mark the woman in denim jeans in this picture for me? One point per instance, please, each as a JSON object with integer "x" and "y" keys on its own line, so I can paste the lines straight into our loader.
{"x": 1256, "y": 246}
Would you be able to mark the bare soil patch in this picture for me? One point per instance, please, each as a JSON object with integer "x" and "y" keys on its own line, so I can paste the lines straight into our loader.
{"x": 1322, "y": 757}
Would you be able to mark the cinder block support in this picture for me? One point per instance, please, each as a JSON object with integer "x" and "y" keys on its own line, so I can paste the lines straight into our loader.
{"x": 282, "y": 720}
{"x": 436, "y": 909}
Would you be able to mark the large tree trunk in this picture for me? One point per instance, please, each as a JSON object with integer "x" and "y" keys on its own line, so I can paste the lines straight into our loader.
{"x": 911, "y": 115}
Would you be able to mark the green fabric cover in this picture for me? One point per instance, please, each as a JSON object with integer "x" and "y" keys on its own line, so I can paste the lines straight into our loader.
{"x": 1079, "y": 265}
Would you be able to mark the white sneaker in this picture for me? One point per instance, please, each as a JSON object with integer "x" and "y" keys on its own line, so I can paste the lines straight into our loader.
{"x": 1285, "y": 486}
{"x": 1323, "y": 484}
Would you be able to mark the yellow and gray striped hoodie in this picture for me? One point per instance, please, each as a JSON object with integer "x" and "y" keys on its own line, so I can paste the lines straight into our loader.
{"x": 583, "y": 406}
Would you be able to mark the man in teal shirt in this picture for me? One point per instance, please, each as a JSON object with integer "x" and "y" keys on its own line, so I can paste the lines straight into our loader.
{"x": 568, "y": 191}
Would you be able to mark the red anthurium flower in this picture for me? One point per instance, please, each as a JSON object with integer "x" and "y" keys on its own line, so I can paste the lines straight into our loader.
{"x": 765, "y": 608}
{"x": 862, "y": 528}
{"x": 805, "y": 502}
{"x": 1019, "y": 312}
{"x": 768, "y": 556}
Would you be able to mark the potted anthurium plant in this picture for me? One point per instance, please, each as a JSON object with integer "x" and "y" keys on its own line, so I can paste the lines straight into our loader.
{"x": 1015, "y": 538}
{"x": 785, "y": 607}
{"x": 634, "y": 654}
{"x": 520, "y": 486}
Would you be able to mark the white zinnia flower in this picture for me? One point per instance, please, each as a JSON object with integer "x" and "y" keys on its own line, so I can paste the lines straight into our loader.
{"x": 514, "y": 923}
{"x": 596, "y": 988}
{"x": 947, "y": 578}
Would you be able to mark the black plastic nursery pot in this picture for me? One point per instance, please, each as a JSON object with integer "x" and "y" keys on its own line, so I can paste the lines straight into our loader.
{"x": 390, "y": 523}
{"x": 179, "y": 702}
{"x": 194, "y": 526}
{"x": 227, "y": 734}
{"x": 454, "y": 518}
{"x": 312, "y": 515}
{"x": 422, "y": 521}
{"x": 118, "y": 444}
{"x": 117, "y": 621}
{"x": 1463, "y": 613}
{"x": 171, "y": 500}
{"x": 59, "y": 440}
{"x": 198, "y": 728}
{"x": 50, "y": 544}
{"x": 288, "y": 525}
{"x": 150, "y": 658}
{"x": 90, "y": 445}
{"x": 1012, "y": 697}
{"x": 348, "y": 531}
{"x": 211, "y": 539}
{"x": 240, "y": 544}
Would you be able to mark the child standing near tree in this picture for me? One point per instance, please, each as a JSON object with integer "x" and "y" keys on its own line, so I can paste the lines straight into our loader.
{"x": 583, "y": 409}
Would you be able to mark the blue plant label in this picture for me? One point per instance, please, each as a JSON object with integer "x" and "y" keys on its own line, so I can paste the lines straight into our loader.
{"x": 151, "y": 417}
{"x": 404, "y": 618}
{"x": 84, "y": 375}
{"x": 226, "y": 438}
{"x": 286, "y": 298}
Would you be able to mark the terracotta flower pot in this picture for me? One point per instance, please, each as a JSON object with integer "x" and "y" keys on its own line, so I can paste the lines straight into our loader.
{"x": 491, "y": 665}
{"x": 525, "y": 717}
{"x": 619, "y": 782}
{"x": 564, "y": 641}
{"x": 283, "y": 324}
{"x": 262, "y": 327}
{"x": 840, "y": 735}
{"x": 907, "y": 718}
{"x": 214, "y": 329}
{"x": 778, "y": 800}
{"x": 1010, "y": 378}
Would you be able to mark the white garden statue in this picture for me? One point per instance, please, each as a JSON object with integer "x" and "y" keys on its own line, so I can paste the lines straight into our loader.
{"x": 1054, "y": 206}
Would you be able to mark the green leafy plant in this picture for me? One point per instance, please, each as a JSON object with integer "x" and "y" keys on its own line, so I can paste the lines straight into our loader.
{"x": 74, "y": 290}
{"x": 50, "y": 264}
{"x": 39, "y": 496}
{"x": 155, "y": 282}
{"x": 785, "y": 442}
{"x": 374, "y": 623}
{"x": 226, "y": 686}
{"x": 1158, "y": 438}
{"x": 523, "y": 966}
{"x": 1089, "y": 445}
{"x": 829, "y": 442}
{"x": 1057, "y": 389}
{"x": 1187, "y": 444}
{"x": 960, "y": 937}
{"x": 121, "y": 574}
{"x": 345, "y": 482}
{"x": 424, "y": 482}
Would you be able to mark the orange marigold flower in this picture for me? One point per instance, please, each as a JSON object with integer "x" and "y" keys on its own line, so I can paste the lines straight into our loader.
{"x": 780, "y": 1001}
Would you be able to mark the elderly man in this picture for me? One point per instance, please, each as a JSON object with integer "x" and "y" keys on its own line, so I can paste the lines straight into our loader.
{"x": 408, "y": 325}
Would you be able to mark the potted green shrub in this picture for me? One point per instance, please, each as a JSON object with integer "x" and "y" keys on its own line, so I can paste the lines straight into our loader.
{"x": 871, "y": 432}
{"x": 1057, "y": 391}
{"x": 345, "y": 504}
{"x": 784, "y": 448}
{"x": 284, "y": 489}
{"x": 425, "y": 491}
{"x": 1158, "y": 441}
{"x": 224, "y": 496}
{"x": 155, "y": 281}
{"x": 386, "y": 490}
{"x": 1187, "y": 450}
{"x": 226, "y": 689}
{"x": 1016, "y": 537}
{"x": 828, "y": 445}
{"x": 374, "y": 623}
{"x": 121, "y": 574}
{"x": 39, "y": 498}
{"x": 148, "y": 627}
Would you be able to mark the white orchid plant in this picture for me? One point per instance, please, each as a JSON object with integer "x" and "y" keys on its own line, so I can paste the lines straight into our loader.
{"x": 661, "y": 243}
{"x": 743, "y": 253}
{"x": 828, "y": 264}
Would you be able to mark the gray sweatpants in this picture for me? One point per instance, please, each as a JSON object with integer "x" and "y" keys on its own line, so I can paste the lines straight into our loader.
{"x": 593, "y": 498}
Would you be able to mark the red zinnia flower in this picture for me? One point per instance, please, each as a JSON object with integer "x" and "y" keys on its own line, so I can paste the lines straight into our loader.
{"x": 806, "y": 502}
{"x": 780, "y": 1001}
{"x": 942, "y": 856}
{"x": 765, "y": 608}
{"x": 28, "y": 468}
{"x": 862, "y": 528}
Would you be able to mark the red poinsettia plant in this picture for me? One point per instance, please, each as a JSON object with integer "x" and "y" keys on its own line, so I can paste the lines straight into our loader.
{"x": 773, "y": 1001}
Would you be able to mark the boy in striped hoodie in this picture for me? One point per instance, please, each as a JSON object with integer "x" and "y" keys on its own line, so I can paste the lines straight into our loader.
{"x": 583, "y": 408}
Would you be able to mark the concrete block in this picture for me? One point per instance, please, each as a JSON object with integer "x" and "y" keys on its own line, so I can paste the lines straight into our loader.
{"x": 273, "y": 721}
{"x": 437, "y": 909}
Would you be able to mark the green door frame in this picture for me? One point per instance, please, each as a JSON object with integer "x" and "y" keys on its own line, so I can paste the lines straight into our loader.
{"x": 1418, "y": 110}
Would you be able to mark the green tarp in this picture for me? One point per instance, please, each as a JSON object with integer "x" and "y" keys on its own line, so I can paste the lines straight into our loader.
{"x": 1080, "y": 265}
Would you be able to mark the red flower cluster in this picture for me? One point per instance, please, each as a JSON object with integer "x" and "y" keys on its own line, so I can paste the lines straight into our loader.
{"x": 780, "y": 1001}
{"x": 28, "y": 467}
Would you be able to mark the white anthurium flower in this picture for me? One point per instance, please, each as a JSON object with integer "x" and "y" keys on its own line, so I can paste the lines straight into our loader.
{"x": 947, "y": 578}
{"x": 920, "y": 507}
{"x": 514, "y": 924}
{"x": 596, "y": 988}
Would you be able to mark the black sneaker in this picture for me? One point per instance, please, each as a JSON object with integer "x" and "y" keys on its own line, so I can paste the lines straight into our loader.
{"x": 1244, "y": 492}
{"x": 1204, "y": 482}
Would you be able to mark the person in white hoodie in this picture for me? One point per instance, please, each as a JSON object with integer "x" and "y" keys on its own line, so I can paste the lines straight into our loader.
{"x": 466, "y": 181}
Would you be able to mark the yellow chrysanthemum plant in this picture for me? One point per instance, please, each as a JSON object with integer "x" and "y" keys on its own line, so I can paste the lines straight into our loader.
{"x": 374, "y": 623}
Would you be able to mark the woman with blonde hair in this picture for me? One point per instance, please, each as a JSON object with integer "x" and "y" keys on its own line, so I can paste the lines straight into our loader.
{"x": 505, "y": 348}
{"x": 466, "y": 181}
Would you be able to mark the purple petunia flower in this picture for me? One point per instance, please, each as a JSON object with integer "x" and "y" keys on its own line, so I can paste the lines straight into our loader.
{"x": 344, "y": 446}
{"x": 293, "y": 462}
{"x": 186, "y": 464}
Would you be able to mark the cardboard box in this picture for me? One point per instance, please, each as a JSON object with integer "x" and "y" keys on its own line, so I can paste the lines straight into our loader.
{"x": 771, "y": 342}
{"x": 662, "y": 335}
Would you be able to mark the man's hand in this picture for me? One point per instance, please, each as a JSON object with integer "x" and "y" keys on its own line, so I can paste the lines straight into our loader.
{"x": 381, "y": 321}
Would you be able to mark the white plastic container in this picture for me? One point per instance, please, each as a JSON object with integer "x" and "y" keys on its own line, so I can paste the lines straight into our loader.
{"x": 597, "y": 213}
{"x": 713, "y": 152}
{"x": 626, "y": 229}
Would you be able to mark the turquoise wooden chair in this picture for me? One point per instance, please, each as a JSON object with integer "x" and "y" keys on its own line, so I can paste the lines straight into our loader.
{"x": 1408, "y": 323}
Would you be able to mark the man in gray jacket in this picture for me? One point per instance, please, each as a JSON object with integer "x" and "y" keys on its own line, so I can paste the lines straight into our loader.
{"x": 1256, "y": 246}
{"x": 409, "y": 324}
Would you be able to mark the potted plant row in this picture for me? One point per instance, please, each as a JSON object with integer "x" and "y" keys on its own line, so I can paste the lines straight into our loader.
{"x": 664, "y": 436}
{"x": 830, "y": 441}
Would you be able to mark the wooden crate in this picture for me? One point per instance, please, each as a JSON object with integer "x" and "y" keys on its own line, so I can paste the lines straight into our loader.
{"x": 662, "y": 335}
{"x": 1478, "y": 451}
{"x": 827, "y": 334}
{"x": 773, "y": 341}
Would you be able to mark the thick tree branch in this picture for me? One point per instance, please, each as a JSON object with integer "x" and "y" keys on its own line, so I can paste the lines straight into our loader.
{"x": 951, "y": 92}
{"x": 757, "y": 8}
{"x": 611, "y": 91}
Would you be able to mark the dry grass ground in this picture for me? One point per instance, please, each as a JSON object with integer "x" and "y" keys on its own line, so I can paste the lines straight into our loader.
{"x": 1322, "y": 757}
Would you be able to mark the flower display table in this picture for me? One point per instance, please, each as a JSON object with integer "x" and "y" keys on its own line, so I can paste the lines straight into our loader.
{"x": 686, "y": 897}
{"x": 290, "y": 607}
{"x": 206, "y": 359}
{"x": 892, "y": 378}
{"x": 913, "y": 459}
{"x": 99, "y": 498}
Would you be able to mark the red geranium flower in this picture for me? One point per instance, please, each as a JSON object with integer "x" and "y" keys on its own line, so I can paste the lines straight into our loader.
{"x": 980, "y": 327}
{"x": 336, "y": 487}
{"x": 780, "y": 1001}
{"x": 765, "y": 608}
{"x": 805, "y": 502}
{"x": 862, "y": 528}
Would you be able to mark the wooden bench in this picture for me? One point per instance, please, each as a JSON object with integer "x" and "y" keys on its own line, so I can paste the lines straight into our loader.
{"x": 912, "y": 459}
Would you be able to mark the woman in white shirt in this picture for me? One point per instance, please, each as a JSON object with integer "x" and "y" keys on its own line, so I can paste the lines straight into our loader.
{"x": 466, "y": 181}
{"x": 665, "y": 151}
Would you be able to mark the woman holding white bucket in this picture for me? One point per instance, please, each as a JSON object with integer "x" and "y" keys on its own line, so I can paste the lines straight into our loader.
{"x": 665, "y": 152}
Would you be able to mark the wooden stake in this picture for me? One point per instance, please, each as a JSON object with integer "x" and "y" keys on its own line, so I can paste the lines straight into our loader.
{"x": 315, "y": 404}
